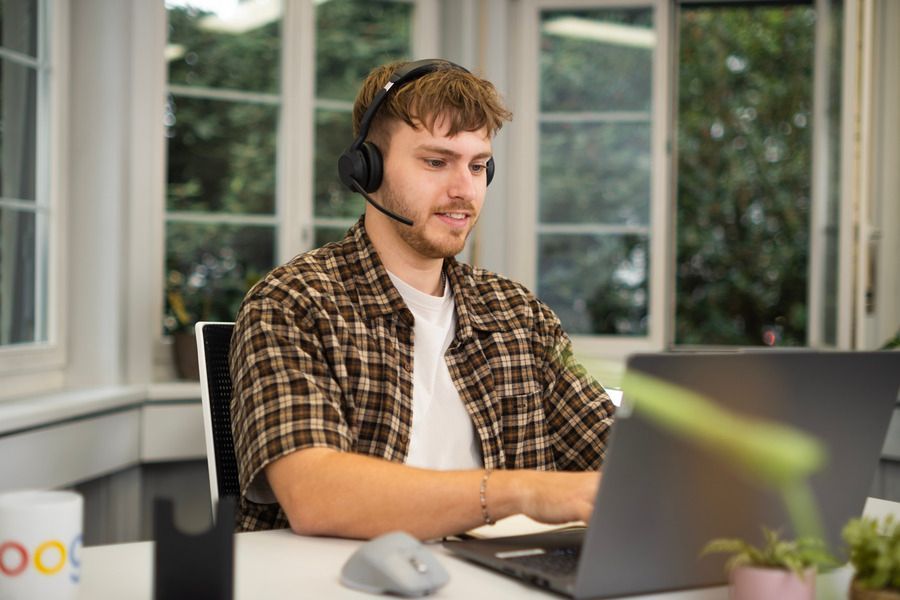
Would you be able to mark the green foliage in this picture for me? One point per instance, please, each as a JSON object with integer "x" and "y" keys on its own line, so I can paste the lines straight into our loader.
{"x": 614, "y": 301}
{"x": 209, "y": 268}
{"x": 355, "y": 36}
{"x": 745, "y": 87}
{"x": 619, "y": 76}
{"x": 249, "y": 60}
{"x": 744, "y": 175}
{"x": 222, "y": 154}
{"x": 892, "y": 343}
{"x": 776, "y": 553}
{"x": 875, "y": 552}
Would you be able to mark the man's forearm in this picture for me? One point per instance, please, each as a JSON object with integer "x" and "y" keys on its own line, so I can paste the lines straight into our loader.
{"x": 324, "y": 492}
{"x": 349, "y": 495}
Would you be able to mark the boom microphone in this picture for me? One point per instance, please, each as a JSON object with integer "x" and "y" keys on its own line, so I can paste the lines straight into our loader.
{"x": 370, "y": 200}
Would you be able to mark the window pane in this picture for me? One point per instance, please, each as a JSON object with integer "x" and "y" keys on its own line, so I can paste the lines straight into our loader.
{"x": 744, "y": 174}
{"x": 225, "y": 44}
{"x": 355, "y": 36}
{"x": 19, "y": 26}
{"x": 596, "y": 60}
{"x": 18, "y": 131}
{"x": 333, "y": 134}
{"x": 596, "y": 69}
{"x": 22, "y": 312}
{"x": 324, "y": 235}
{"x": 595, "y": 173}
{"x": 596, "y": 284}
{"x": 221, "y": 156}
{"x": 209, "y": 269}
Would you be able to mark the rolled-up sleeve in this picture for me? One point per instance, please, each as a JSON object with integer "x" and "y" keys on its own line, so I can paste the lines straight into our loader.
{"x": 285, "y": 396}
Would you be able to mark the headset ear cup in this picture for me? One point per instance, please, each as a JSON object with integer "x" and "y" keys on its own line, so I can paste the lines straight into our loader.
{"x": 352, "y": 168}
{"x": 490, "y": 170}
{"x": 374, "y": 166}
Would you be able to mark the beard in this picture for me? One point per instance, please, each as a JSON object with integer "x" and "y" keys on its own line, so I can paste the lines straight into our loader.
{"x": 416, "y": 237}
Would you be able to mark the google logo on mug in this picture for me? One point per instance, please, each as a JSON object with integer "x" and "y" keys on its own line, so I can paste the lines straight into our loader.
{"x": 48, "y": 558}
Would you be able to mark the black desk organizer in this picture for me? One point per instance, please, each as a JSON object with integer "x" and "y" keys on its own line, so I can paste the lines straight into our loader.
{"x": 193, "y": 566}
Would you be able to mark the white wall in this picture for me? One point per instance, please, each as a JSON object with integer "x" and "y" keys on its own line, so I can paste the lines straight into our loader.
{"x": 97, "y": 195}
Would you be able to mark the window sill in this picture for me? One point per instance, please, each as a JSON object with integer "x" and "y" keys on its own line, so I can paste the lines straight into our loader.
{"x": 173, "y": 391}
{"x": 32, "y": 412}
{"x": 79, "y": 435}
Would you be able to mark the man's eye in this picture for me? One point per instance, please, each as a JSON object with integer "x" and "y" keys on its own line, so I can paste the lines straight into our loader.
{"x": 478, "y": 168}
{"x": 434, "y": 163}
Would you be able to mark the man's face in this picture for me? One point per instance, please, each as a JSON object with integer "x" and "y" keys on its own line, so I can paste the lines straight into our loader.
{"x": 438, "y": 182}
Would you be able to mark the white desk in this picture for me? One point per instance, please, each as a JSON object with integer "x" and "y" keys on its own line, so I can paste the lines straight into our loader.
{"x": 279, "y": 564}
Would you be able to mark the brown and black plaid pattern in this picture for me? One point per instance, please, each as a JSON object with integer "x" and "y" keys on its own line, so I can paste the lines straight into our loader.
{"x": 322, "y": 355}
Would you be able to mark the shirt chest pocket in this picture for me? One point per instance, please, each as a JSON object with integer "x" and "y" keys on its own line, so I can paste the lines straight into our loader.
{"x": 526, "y": 442}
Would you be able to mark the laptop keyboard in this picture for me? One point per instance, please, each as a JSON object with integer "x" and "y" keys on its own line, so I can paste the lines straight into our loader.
{"x": 560, "y": 561}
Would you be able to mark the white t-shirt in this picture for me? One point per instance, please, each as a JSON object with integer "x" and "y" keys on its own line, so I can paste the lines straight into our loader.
{"x": 443, "y": 435}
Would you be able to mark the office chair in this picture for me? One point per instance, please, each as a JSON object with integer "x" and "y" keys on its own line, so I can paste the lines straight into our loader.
{"x": 213, "y": 343}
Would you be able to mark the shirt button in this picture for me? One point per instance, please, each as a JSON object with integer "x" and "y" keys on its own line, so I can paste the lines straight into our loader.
{"x": 404, "y": 438}
{"x": 408, "y": 367}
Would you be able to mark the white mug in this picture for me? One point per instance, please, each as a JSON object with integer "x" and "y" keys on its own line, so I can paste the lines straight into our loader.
{"x": 40, "y": 545}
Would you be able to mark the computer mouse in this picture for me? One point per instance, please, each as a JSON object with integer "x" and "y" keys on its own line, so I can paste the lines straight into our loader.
{"x": 394, "y": 563}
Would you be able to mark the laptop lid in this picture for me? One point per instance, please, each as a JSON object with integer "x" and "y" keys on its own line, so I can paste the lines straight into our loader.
{"x": 663, "y": 497}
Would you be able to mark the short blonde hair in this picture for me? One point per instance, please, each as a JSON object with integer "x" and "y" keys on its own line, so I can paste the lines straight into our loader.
{"x": 469, "y": 102}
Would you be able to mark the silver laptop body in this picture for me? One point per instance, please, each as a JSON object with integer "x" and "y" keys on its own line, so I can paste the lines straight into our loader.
{"x": 663, "y": 497}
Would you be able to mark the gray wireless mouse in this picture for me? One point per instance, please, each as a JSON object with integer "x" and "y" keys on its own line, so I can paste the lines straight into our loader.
{"x": 394, "y": 563}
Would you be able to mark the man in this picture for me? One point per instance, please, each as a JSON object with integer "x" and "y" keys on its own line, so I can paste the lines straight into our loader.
{"x": 378, "y": 383}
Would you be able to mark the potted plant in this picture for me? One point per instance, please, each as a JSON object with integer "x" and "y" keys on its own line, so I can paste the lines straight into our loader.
{"x": 780, "y": 568}
{"x": 210, "y": 289}
{"x": 874, "y": 550}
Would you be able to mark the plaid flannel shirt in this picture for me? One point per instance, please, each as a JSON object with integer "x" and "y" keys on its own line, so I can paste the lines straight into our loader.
{"x": 322, "y": 356}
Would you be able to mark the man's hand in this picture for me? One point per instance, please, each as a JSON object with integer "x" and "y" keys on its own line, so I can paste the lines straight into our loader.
{"x": 549, "y": 496}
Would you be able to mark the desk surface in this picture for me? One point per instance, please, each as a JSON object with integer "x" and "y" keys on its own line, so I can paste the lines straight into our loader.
{"x": 279, "y": 564}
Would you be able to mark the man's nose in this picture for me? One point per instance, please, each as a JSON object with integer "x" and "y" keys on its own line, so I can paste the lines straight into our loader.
{"x": 464, "y": 183}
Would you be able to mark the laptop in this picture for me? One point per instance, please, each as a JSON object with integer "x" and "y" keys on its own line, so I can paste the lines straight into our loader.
{"x": 662, "y": 497}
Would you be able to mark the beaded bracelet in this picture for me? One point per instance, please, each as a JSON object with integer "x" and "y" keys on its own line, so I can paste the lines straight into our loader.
{"x": 484, "y": 511}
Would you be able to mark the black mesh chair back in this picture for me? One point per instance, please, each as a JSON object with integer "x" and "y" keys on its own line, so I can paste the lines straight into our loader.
{"x": 213, "y": 343}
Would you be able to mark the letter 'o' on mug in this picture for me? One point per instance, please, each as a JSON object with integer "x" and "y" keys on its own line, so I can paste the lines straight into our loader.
{"x": 40, "y": 545}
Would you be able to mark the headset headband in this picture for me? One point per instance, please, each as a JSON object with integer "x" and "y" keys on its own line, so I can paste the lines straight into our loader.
{"x": 405, "y": 74}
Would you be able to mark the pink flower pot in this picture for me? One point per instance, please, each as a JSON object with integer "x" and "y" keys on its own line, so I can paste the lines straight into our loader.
{"x": 757, "y": 583}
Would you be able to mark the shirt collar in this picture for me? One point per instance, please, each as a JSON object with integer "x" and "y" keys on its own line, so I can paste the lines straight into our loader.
{"x": 378, "y": 297}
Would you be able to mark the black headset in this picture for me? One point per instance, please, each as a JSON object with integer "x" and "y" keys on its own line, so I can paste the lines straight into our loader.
{"x": 360, "y": 167}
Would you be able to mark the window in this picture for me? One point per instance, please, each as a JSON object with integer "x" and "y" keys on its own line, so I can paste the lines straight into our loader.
{"x": 595, "y": 131}
{"x": 745, "y": 164}
{"x": 594, "y": 205}
{"x": 222, "y": 134}
{"x": 23, "y": 210}
{"x": 244, "y": 111}
{"x": 31, "y": 336}
{"x": 696, "y": 216}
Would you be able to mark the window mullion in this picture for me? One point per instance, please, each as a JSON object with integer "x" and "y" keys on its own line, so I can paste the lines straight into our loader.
{"x": 294, "y": 203}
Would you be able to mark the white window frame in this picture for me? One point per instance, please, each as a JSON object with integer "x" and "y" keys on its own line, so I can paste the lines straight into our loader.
{"x": 524, "y": 189}
{"x": 38, "y": 367}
